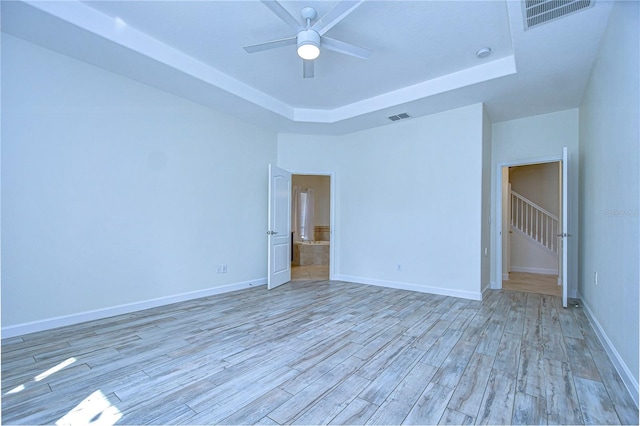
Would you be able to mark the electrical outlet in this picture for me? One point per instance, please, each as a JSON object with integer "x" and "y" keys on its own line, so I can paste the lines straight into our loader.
{"x": 221, "y": 269}
{"x": 595, "y": 278}
{"x": 224, "y": 268}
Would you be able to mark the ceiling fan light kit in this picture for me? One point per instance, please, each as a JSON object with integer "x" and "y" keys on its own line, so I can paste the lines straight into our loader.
{"x": 308, "y": 44}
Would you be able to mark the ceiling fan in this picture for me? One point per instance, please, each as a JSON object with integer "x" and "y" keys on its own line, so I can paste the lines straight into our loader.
{"x": 310, "y": 37}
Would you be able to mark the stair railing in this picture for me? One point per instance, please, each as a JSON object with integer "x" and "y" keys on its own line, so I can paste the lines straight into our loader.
{"x": 534, "y": 222}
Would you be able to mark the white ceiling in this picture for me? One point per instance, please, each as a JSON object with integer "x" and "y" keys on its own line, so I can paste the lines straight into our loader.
{"x": 423, "y": 58}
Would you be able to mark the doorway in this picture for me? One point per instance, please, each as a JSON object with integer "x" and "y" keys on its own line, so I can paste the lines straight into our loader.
{"x": 531, "y": 248}
{"x": 311, "y": 227}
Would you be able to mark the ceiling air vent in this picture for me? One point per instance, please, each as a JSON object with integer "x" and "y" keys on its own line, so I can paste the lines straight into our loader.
{"x": 537, "y": 12}
{"x": 400, "y": 116}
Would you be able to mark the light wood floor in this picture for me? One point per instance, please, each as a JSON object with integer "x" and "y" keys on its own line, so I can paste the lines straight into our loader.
{"x": 321, "y": 353}
{"x": 533, "y": 283}
{"x": 310, "y": 272}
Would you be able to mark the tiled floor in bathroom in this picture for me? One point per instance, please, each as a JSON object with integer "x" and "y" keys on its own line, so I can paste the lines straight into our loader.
{"x": 310, "y": 272}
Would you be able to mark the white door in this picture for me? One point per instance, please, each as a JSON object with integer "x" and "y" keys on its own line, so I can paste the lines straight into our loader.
{"x": 279, "y": 233}
{"x": 564, "y": 233}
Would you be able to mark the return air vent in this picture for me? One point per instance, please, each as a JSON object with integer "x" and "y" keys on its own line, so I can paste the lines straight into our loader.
{"x": 537, "y": 12}
{"x": 400, "y": 116}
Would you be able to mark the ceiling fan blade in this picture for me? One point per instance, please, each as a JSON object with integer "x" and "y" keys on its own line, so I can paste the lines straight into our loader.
{"x": 344, "y": 48}
{"x": 270, "y": 45}
{"x": 335, "y": 15}
{"x": 307, "y": 69}
{"x": 283, "y": 14}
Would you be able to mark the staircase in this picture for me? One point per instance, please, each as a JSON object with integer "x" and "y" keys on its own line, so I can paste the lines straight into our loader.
{"x": 534, "y": 223}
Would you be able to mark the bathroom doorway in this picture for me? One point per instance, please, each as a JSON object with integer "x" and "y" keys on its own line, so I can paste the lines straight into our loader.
{"x": 311, "y": 227}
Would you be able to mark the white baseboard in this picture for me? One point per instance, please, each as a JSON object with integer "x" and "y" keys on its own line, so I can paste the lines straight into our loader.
{"x": 505, "y": 277}
{"x": 627, "y": 377}
{"x": 545, "y": 271}
{"x": 473, "y": 295}
{"x": 51, "y": 323}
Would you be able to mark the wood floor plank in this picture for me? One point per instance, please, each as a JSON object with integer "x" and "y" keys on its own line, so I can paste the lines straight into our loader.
{"x": 245, "y": 377}
{"x": 304, "y": 399}
{"x": 569, "y": 325}
{"x": 454, "y": 310}
{"x": 427, "y": 340}
{"x": 380, "y": 388}
{"x": 452, "y": 417}
{"x": 596, "y": 406}
{"x": 463, "y": 319}
{"x": 532, "y": 332}
{"x": 396, "y": 407}
{"x": 318, "y": 353}
{"x": 307, "y": 377}
{"x": 377, "y": 344}
{"x": 470, "y": 389}
{"x": 332, "y": 403}
{"x": 371, "y": 368}
{"x": 217, "y": 409}
{"x": 417, "y": 325}
{"x": 490, "y": 337}
{"x": 497, "y": 404}
{"x": 580, "y": 360}
{"x": 324, "y": 352}
{"x": 356, "y": 413}
{"x": 562, "y": 401}
{"x": 531, "y": 372}
{"x": 532, "y": 283}
{"x": 441, "y": 348}
{"x": 624, "y": 405}
{"x": 515, "y": 320}
{"x": 529, "y": 410}
{"x": 454, "y": 365}
{"x": 258, "y": 408}
{"x": 553, "y": 342}
{"x": 430, "y": 406}
{"x": 475, "y": 327}
{"x": 169, "y": 409}
{"x": 508, "y": 353}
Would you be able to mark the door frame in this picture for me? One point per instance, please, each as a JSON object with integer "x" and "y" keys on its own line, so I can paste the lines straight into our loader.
{"x": 498, "y": 207}
{"x": 332, "y": 208}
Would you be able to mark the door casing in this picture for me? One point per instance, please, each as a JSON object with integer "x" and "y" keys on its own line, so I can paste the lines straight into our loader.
{"x": 498, "y": 210}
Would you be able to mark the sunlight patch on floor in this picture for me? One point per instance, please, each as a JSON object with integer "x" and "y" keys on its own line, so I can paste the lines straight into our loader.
{"x": 96, "y": 409}
{"x": 43, "y": 375}
{"x": 55, "y": 369}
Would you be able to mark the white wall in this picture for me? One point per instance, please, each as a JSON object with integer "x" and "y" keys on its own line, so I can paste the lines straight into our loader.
{"x": 527, "y": 256}
{"x": 407, "y": 194}
{"x": 610, "y": 189}
{"x": 528, "y": 140}
{"x": 539, "y": 183}
{"x": 116, "y": 193}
